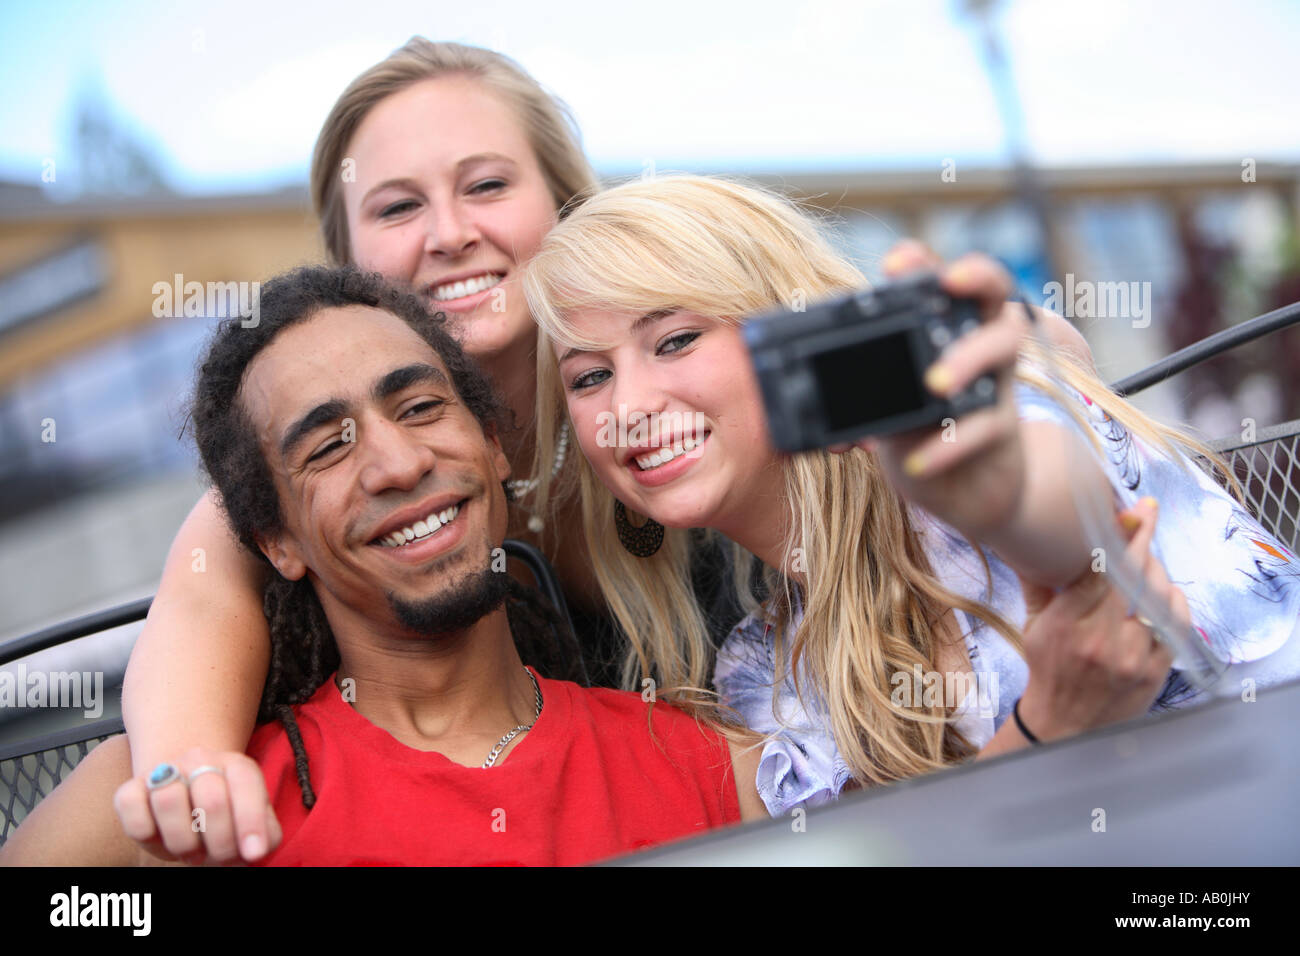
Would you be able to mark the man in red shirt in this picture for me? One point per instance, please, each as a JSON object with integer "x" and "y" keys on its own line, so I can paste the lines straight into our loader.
{"x": 355, "y": 446}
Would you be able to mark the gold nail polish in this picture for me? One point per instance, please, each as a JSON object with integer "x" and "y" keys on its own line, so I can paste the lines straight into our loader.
{"x": 938, "y": 379}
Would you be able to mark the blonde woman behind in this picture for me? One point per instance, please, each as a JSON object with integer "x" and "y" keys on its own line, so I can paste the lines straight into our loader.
{"x": 440, "y": 167}
{"x": 640, "y": 294}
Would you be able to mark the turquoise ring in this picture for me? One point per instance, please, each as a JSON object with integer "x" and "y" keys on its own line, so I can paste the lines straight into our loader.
{"x": 162, "y": 775}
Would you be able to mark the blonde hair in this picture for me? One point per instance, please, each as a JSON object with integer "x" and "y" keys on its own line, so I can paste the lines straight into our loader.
{"x": 546, "y": 121}
{"x": 726, "y": 250}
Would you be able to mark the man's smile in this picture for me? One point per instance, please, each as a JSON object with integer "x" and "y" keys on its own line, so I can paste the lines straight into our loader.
{"x": 414, "y": 540}
{"x": 421, "y": 529}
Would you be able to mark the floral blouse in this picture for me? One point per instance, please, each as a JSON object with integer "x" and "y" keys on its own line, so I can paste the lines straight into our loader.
{"x": 1241, "y": 585}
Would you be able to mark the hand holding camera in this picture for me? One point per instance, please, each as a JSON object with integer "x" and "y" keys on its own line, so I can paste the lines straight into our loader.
{"x": 918, "y": 370}
{"x": 971, "y": 468}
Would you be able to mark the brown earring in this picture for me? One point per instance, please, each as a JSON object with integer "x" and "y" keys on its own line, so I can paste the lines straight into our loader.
{"x": 643, "y": 541}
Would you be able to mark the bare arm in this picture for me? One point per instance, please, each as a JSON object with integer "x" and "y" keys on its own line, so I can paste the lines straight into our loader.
{"x": 744, "y": 764}
{"x": 196, "y": 673}
{"x": 1043, "y": 540}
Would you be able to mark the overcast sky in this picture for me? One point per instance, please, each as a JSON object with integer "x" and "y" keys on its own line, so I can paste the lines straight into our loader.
{"x": 231, "y": 94}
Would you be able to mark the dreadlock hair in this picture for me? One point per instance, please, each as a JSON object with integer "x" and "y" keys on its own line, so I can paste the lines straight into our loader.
{"x": 303, "y": 649}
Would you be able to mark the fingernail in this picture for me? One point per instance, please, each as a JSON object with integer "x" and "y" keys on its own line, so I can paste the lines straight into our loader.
{"x": 914, "y": 464}
{"x": 960, "y": 274}
{"x": 938, "y": 379}
{"x": 1129, "y": 521}
{"x": 254, "y": 847}
{"x": 1150, "y": 503}
{"x": 894, "y": 261}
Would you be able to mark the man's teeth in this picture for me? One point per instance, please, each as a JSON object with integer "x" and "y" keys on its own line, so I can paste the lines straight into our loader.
{"x": 421, "y": 529}
{"x": 457, "y": 290}
{"x": 667, "y": 454}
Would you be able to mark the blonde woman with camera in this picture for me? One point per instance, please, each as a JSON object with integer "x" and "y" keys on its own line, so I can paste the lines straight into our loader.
{"x": 908, "y": 556}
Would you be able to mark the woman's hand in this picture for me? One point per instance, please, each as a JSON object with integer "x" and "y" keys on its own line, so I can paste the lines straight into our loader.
{"x": 968, "y": 472}
{"x": 1014, "y": 486}
{"x": 1090, "y": 663}
{"x": 221, "y": 814}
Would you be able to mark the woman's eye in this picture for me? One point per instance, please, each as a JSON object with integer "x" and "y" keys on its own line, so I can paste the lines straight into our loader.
{"x": 488, "y": 185}
{"x": 678, "y": 342}
{"x": 397, "y": 208}
{"x": 588, "y": 379}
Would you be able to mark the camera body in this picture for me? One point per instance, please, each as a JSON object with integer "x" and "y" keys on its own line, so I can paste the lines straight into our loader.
{"x": 854, "y": 366}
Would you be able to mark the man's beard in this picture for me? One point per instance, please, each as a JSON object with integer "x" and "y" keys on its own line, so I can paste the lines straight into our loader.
{"x": 458, "y": 608}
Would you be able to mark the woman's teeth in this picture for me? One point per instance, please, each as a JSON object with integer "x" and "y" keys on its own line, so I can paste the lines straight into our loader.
{"x": 421, "y": 529}
{"x": 667, "y": 454}
{"x": 458, "y": 290}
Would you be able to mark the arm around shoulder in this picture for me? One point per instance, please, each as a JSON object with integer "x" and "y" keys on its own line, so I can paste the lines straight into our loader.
{"x": 197, "y": 670}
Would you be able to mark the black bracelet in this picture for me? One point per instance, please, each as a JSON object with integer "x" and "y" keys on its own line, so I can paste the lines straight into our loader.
{"x": 1024, "y": 304}
{"x": 1015, "y": 712}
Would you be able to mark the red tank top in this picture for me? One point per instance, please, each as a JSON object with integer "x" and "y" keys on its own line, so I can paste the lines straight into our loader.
{"x": 587, "y": 782}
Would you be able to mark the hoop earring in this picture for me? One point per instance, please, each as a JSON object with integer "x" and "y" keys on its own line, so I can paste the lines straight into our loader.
{"x": 643, "y": 541}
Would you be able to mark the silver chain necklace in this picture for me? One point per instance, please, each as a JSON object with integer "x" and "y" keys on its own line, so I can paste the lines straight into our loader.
{"x": 501, "y": 744}
{"x": 523, "y": 486}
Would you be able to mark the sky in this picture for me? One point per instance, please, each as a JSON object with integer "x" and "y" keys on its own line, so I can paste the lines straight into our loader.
{"x": 230, "y": 96}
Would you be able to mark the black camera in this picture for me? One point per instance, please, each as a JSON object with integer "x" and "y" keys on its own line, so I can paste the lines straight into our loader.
{"x": 854, "y": 366}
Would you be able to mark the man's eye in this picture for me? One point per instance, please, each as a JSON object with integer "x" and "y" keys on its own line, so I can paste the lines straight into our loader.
{"x": 422, "y": 407}
{"x": 588, "y": 379}
{"x": 678, "y": 341}
{"x": 338, "y": 443}
{"x": 397, "y": 208}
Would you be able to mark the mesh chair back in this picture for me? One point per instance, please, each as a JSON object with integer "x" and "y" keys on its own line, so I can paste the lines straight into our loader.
{"x": 1269, "y": 471}
{"x": 31, "y": 769}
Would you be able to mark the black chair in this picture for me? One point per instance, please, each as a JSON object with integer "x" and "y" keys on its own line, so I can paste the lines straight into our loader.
{"x": 30, "y": 769}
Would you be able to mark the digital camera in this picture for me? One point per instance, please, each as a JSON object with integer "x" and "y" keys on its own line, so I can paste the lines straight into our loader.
{"x": 854, "y": 366}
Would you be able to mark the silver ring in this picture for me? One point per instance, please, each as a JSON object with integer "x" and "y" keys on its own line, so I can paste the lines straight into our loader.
{"x": 162, "y": 775}
{"x": 206, "y": 768}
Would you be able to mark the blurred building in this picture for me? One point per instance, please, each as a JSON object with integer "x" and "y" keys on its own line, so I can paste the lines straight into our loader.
{"x": 93, "y": 479}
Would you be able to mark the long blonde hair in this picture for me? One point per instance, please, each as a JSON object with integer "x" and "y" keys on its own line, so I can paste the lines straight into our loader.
{"x": 545, "y": 119}
{"x": 722, "y": 249}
